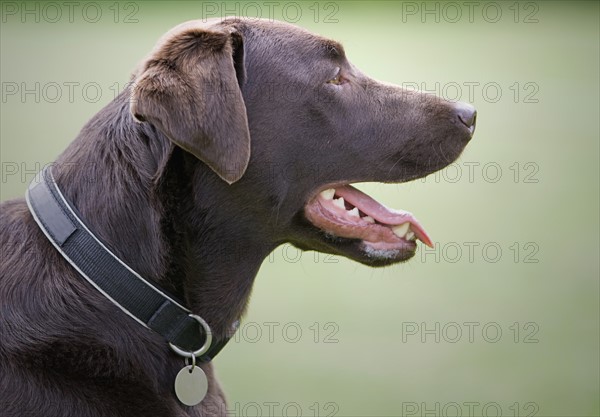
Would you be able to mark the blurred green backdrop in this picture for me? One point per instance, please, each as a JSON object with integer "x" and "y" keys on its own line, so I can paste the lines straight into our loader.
{"x": 515, "y": 219}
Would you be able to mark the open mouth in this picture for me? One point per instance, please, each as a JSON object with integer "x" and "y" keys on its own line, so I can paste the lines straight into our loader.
{"x": 346, "y": 212}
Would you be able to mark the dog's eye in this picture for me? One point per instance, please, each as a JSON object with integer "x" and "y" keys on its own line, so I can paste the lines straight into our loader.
{"x": 338, "y": 79}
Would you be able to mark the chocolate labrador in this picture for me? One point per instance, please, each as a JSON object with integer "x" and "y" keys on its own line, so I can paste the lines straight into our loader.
{"x": 234, "y": 136}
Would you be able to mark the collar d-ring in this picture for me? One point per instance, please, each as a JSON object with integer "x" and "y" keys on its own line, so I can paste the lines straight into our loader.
{"x": 203, "y": 348}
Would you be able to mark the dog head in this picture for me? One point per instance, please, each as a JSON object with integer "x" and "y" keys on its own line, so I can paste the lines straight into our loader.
{"x": 284, "y": 118}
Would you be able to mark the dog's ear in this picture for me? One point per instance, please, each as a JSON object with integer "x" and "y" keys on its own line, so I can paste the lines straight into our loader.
{"x": 189, "y": 88}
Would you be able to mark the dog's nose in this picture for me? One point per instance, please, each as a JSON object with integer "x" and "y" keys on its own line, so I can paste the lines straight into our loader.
{"x": 467, "y": 115}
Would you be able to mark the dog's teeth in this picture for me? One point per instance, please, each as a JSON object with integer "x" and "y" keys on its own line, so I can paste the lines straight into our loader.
{"x": 410, "y": 236}
{"x": 354, "y": 212}
{"x": 328, "y": 194}
{"x": 401, "y": 230}
{"x": 369, "y": 219}
{"x": 340, "y": 203}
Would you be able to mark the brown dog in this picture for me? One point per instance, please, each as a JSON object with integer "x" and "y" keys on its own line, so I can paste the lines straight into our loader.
{"x": 235, "y": 137}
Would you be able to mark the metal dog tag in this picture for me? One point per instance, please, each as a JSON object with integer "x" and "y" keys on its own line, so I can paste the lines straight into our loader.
{"x": 191, "y": 385}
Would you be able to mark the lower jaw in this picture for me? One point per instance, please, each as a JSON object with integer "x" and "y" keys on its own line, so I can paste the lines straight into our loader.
{"x": 388, "y": 252}
{"x": 358, "y": 247}
{"x": 374, "y": 254}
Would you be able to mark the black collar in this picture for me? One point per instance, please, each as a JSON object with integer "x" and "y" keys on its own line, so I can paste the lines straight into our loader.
{"x": 142, "y": 300}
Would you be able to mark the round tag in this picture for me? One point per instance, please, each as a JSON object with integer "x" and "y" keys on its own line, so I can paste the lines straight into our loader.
{"x": 191, "y": 385}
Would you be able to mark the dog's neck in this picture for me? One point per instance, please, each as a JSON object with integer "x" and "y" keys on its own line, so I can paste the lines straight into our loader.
{"x": 214, "y": 247}
{"x": 162, "y": 212}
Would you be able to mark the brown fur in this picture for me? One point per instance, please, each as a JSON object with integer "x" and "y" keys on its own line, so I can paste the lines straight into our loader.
{"x": 211, "y": 104}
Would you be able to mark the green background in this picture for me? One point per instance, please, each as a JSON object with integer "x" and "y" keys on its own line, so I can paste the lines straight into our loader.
{"x": 548, "y": 134}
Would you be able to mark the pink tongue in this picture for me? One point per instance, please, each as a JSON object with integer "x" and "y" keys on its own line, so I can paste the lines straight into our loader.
{"x": 379, "y": 212}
